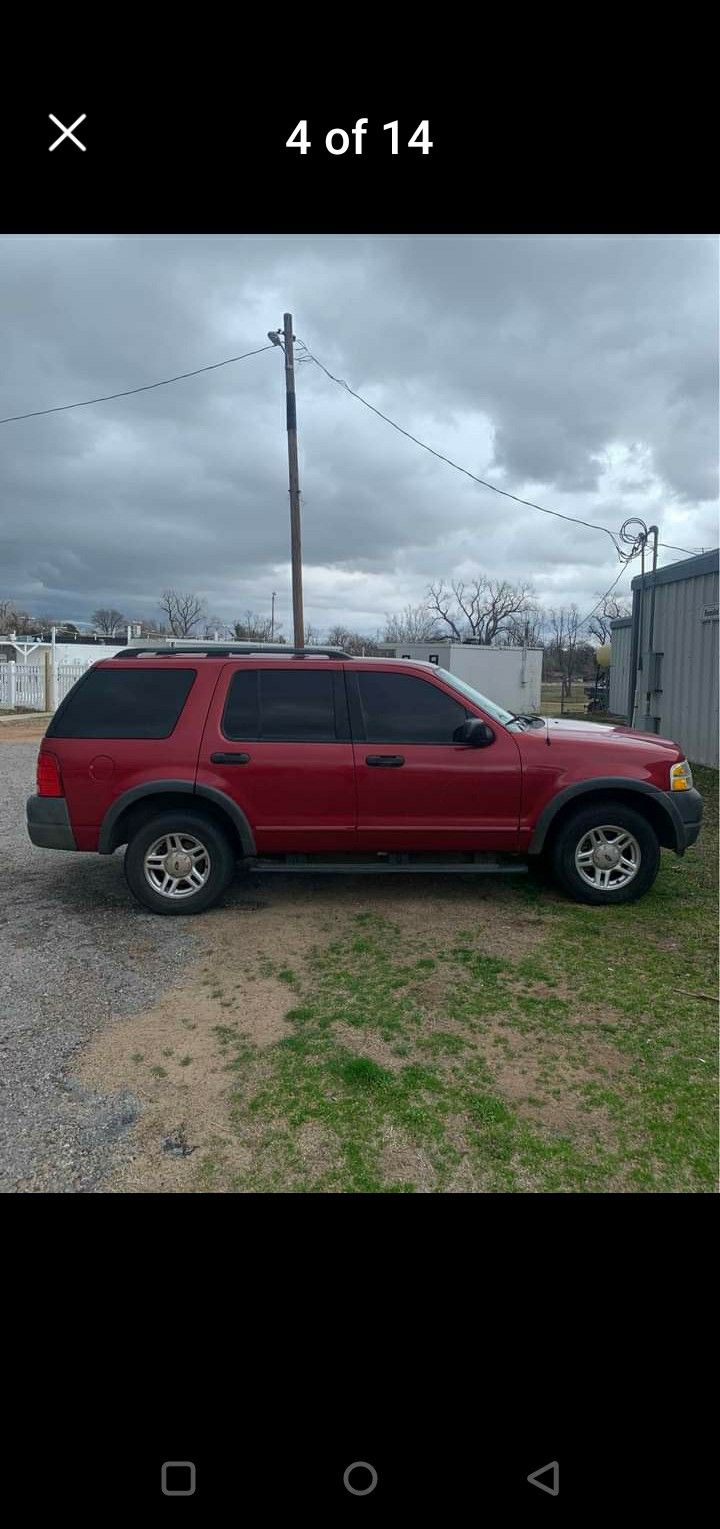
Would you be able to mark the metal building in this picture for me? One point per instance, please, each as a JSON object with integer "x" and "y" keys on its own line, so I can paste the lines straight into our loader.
{"x": 621, "y": 643}
{"x": 510, "y": 676}
{"x": 664, "y": 674}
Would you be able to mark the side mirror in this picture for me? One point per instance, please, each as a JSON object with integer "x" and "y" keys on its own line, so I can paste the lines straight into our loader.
{"x": 475, "y": 733}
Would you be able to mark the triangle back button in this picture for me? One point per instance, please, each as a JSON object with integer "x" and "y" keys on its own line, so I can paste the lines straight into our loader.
{"x": 545, "y": 1486}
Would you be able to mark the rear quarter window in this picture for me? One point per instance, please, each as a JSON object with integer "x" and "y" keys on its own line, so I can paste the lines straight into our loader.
{"x": 123, "y": 703}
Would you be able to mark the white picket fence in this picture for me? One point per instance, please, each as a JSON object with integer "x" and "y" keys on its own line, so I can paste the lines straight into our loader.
{"x": 24, "y": 685}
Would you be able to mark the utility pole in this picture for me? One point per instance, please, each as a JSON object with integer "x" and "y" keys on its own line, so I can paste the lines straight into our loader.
{"x": 295, "y": 543}
{"x": 272, "y": 618}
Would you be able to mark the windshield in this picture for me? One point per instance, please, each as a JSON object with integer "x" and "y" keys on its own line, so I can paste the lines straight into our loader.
{"x": 498, "y": 712}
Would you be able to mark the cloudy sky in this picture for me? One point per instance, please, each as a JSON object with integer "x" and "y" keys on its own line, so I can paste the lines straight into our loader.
{"x": 580, "y": 372}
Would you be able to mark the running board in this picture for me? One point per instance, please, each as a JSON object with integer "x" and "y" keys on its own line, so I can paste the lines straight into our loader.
{"x": 387, "y": 867}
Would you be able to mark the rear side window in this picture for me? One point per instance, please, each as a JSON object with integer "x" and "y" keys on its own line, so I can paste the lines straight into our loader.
{"x": 401, "y": 708}
{"x": 285, "y": 706}
{"x": 123, "y": 703}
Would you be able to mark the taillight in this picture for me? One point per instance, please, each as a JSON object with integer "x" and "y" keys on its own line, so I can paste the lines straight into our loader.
{"x": 49, "y": 779}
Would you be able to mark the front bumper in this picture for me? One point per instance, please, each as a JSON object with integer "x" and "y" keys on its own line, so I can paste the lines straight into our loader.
{"x": 48, "y": 822}
{"x": 689, "y": 808}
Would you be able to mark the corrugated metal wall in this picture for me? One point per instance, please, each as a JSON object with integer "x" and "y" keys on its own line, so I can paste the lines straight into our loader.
{"x": 620, "y": 650}
{"x": 687, "y": 637}
{"x": 677, "y": 685}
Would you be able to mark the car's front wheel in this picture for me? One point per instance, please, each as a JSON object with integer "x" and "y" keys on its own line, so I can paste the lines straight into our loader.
{"x": 608, "y": 853}
{"x": 179, "y": 862}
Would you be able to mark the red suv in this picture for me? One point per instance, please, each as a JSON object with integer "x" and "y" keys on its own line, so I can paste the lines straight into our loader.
{"x": 308, "y": 759}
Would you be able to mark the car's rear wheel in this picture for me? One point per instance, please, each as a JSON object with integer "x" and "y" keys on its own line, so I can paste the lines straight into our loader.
{"x": 179, "y": 862}
{"x": 607, "y": 853}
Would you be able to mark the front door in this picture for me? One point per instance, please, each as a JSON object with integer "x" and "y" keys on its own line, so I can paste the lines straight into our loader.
{"x": 417, "y": 789}
{"x": 277, "y": 740}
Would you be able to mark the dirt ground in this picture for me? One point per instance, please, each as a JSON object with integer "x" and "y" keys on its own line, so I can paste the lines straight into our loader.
{"x": 173, "y": 1057}
{"x": 21, "y": 732}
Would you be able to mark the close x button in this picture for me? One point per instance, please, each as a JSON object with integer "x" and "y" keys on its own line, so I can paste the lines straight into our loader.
{"x": 68, "y": 133}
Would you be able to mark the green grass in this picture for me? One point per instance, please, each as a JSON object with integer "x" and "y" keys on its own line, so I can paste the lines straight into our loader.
{"x": 428, "y": 1063}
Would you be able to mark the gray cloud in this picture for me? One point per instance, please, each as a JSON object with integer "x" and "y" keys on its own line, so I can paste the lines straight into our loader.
{"x": 581, "y": 372}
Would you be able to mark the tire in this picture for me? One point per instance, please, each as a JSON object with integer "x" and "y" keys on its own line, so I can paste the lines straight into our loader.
{"x": 199, "y": 843}
{"x": 597, "y": 835}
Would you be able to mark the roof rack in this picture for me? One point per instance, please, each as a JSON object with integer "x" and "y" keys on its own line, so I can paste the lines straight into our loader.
{"x": 230, "y": 650}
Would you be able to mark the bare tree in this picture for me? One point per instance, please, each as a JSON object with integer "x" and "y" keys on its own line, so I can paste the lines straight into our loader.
{"x": 610, "y": 610}
{"x": 416, "y": 623}
{"x": 353, "y": 642}
{"x": 479, "y": 611}
{"x": 256, "y": 628}
{"x": 529, "y": 629}
{"x": 152, "y": 628}
{"x": 183, "y": 611}
{"x": 12, "y": 619}
{"x": 565, "y": 628}
{"x": 108, "y": 621}
{"x": 213, "y": 624}
{"x": 313, "y": 636}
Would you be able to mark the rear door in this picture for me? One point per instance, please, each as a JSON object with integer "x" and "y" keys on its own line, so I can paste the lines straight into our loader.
{"x": 277, "y": 740}
{"x": 417, "y": 788}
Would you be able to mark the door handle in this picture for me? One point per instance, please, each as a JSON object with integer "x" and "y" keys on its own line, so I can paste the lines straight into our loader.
{"x": 386, "y": 761}
{"x": 229, "y": 758}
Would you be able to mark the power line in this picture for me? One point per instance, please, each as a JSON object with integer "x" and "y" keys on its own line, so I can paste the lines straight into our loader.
{"x": 688, "y": 550}
{"x": 147, "y": 388}
{"x": 609, "y": 591}
{"x": 592, "y": 525}
{"x": 574, "y": 519}
{"x": 602, "y": 600}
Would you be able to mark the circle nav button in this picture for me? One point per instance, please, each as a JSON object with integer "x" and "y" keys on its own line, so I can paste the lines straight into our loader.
{"x": 355, "y": 1478}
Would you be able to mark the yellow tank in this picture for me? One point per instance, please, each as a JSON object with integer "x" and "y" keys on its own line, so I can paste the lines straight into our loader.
{"x": 602, "y": 657}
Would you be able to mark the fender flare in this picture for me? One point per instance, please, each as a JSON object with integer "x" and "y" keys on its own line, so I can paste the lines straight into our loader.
{"x": 187, "y": 788}
{"x": 600, "y": 785}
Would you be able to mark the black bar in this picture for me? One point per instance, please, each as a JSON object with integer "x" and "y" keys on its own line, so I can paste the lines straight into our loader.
{"x": 387, "y": 868}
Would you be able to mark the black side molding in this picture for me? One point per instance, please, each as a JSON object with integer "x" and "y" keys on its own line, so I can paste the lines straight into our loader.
{"x": 231, "y": 809}
{"x": 608, "y": 783}
{"x": 107, "y": 842}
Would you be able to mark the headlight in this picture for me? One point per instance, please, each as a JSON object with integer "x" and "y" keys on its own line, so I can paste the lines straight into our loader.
{"x": 681, "y": 776}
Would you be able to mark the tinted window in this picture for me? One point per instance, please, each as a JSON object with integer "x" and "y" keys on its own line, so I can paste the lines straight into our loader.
{"x": 399, "y": 708}
{"x": 281, "y": 706}
{"x": 123, "y": 703}
{"x": 241, "y": 718}
{"x": 498, "y": 712}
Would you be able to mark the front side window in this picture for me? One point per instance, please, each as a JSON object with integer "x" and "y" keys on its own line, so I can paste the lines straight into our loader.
{"x": 491, "y": 707}
{"x": 281, "y": 706}
{"x": 123, "y": 703}
{"x": 401, "y": 708}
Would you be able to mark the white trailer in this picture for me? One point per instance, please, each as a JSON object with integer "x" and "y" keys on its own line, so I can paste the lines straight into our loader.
{"x": 510, "y": 676}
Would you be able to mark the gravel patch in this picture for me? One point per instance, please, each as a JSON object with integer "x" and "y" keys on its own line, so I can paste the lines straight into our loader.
{"x": 76, "y": 951}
